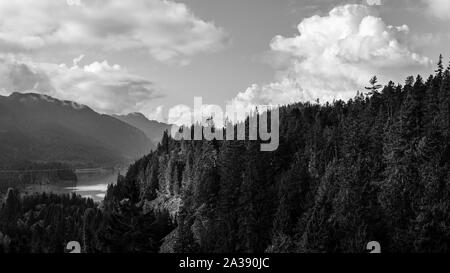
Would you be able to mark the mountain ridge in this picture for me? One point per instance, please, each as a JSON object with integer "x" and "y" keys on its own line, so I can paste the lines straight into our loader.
{"x": 152, "y": 129}
{"x": 42, "y": 128}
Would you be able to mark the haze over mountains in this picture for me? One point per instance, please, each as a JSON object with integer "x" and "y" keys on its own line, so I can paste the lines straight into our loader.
{"x": 153, "y": 129}
{"x": 40, "y": 128}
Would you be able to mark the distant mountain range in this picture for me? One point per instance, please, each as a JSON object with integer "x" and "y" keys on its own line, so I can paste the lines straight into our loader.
{"x": 39, "y": 128}
{"x": 154, "y": 130}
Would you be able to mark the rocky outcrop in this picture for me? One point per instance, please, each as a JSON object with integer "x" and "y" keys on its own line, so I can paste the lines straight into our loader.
{"x": 162, "y": 203}
{"x": 169, "y": 242}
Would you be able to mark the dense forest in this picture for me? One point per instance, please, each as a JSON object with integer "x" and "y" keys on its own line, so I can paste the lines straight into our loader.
{"x": 373, "y": 168}
{"x": 45, "y": 223}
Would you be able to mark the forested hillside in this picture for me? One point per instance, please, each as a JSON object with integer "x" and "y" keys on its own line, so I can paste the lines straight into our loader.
{"x": 40, "y": 128}
{"x": 375, "y": 168}
{"x": 346, "y": 173}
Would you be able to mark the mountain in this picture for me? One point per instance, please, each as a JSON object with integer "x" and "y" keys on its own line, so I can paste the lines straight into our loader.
{"x": 153, "y": 129}
{"x": 37, "y": 127}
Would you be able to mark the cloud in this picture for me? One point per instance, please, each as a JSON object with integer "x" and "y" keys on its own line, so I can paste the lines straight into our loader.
{"x": 439, "y": 8}
{"x": 278, "y": 93}
{"x": 105, "y": 88}
{"x": 333, "y": 56}
{"x": 155, "y": 114}
{"x": 374, "y": 2}
{"x": 180, "y": 115}
{"x": 167, "y": 30}
{"x": 201, "y": 113}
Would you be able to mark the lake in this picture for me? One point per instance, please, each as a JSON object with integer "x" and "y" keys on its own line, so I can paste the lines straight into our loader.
{"x": 90, "y": 184}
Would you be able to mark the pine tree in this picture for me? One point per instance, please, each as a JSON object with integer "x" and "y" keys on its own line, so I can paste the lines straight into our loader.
{"x": 374, "y": 86}
{"x": 433, "y": 96}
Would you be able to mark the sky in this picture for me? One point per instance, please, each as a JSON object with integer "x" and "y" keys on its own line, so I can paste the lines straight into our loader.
{"x": 152, "y": 56}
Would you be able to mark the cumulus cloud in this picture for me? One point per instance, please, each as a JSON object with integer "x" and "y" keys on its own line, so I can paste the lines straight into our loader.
{"x": 439, "y": 8}
{"x": 333, "y": 56}
{"x": 104, "y": 87}
{"x": 180, "y": 115}
{"x": 155, "y": 114}
{"x": 167, "y": 30}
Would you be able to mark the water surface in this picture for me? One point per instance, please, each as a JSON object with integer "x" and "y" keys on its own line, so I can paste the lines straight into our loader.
{"x": 90, "y": 184}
